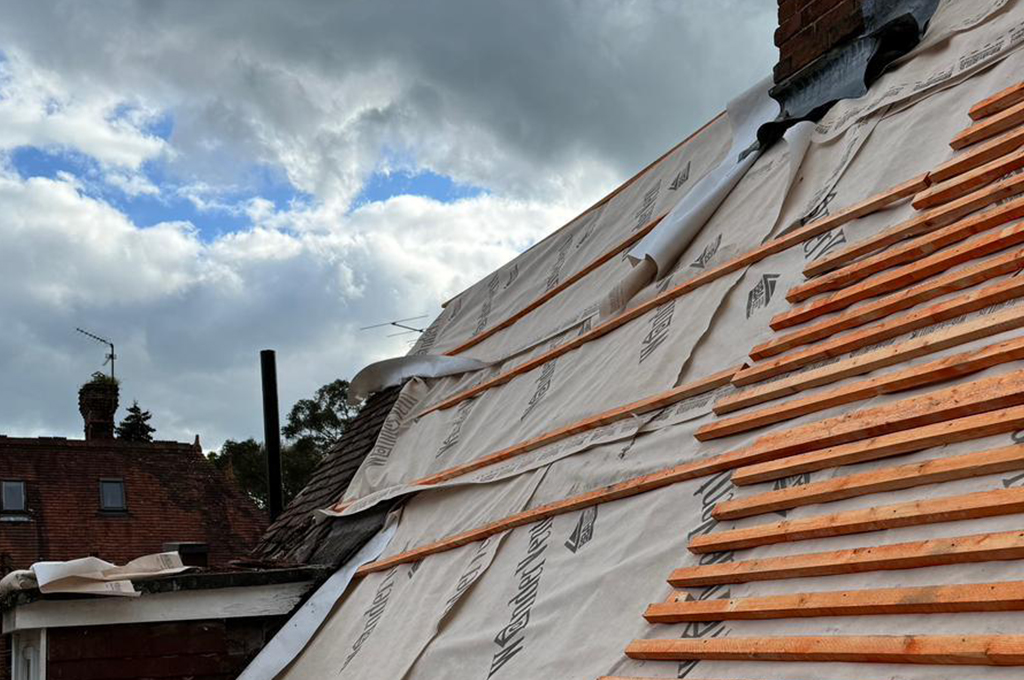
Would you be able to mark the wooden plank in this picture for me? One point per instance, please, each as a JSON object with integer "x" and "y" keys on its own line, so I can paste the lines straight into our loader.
{"x": 538, "y": 302}
{"x": 972, "y": 549}
{"x": 624, "y": 489}
{"x": 947, "y": 599}
{"x": 896, "y": 279}
{"x": 911, "y": 251}
{"x": 989, "y": 127}
{"x": 976, "y": 329}
{"x": 965, "y": 399}
{"x": 920, "y": 224}
{"x": 877, "y": 448}
{"x": 927, "y": 265}
{"x": 963, "y": 650}
{"x": 593, "y": 265}
{"x": 777, "y": 245}
{"x": 608, "y": 417}
{"x": 966, "y": 466}
{"x": 892, "y": 327}
{"x": 978, "y": 155}
{"x": 998, "y": 102}
{"x": 959, "y": 279}
{"x": 878, "y": 518}
{"x": 947, "y": 368}
{"x": 954, "y": 188}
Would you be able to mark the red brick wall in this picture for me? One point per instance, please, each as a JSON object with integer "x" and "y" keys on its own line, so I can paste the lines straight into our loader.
{"x": 173, "y": 494}
{"x": 186, "y": 650}
{"x": 810, "y": 28}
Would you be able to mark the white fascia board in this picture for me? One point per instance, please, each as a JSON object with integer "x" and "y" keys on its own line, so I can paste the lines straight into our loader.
{"x": 182, "y": 605}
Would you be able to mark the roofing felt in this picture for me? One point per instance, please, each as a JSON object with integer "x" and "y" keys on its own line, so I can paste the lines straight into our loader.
{"x": 741, "y": 471}
{"x": 172, "y": 494}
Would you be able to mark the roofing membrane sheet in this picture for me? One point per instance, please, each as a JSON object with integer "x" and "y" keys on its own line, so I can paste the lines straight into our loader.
{"x": 542, "y": 564}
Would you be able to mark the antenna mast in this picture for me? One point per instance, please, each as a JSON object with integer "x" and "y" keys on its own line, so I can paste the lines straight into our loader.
{"x": 398, "y": 323}
{"x": 111, "y": 356}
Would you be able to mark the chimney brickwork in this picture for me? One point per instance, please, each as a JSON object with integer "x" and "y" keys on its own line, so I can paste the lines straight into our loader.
{"x": 97, "y": 402}
{"x": 809, "y": 29}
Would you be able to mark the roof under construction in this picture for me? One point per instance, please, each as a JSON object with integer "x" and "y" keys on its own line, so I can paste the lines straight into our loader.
{"x": 797, "y": 441}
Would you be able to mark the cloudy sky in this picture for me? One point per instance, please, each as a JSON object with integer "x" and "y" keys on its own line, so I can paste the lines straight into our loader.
{"x": 199, "y": 180}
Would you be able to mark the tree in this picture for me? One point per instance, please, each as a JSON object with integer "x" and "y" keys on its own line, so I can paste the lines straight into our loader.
{"x": 313, "y": 426}
{"x": 135, "y": 427}
{"x": 247, "y": 462}
{"x": 323, "y": 419}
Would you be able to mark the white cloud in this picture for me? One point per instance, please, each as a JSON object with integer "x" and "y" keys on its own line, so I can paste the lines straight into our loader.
{"x": 546, "y": 106}
{"x": 38, "y": 109}
{"x": 189, "y": 317}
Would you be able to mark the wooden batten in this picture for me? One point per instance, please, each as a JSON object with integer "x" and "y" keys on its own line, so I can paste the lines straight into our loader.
{"x": 966, "y": 466}
{"x": 966, "y": 277}
{"x": 978, "y": 155}
{"x": 892, "y": 327}
{"x": 998, "y": 102}
{"x": 959, "y": 650}
{"x": 866, "y": 207}
{"x": 624, "y": 489}
{"x": 877, "y": 448}
{"x": 972, "y": 549}
{"x": 911, "y": 252}
{"x": 971, "y": 398}
{"x": 989, "y": 127}
{"x": 656, "y": 480}
{"x": 919, "y": 224}
{"x": 570, "y": 281}
{"x": 893, "y": 280}
{"x": 986, "y": 326}
{"x": 941, "y": 370}
{"x": 600, "y": 260}
{"x": 947, "y": 599}
{"x": 913, "y": 513}
{"x": 608, "y": 417}
{"x": 954, "y": 188}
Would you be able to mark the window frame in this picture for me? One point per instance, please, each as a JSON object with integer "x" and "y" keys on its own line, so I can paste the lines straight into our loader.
{"x": 124, "y": 495}
{"x": 3, "y": 496}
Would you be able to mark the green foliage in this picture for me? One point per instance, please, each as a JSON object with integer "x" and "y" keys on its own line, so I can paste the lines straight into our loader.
{"x": 247, "y": 461}
{"x": 313, "y": 426}
{"x": 323, "y": 419}
{"x": 135, "y": 427}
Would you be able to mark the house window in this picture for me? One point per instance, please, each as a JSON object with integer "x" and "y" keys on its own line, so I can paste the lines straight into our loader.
{"x": 112, "y": 495}
{"x": 13, "y": 496}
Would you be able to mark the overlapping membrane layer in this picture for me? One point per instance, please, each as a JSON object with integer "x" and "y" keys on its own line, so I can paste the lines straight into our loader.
{"x": 860, "y": 479}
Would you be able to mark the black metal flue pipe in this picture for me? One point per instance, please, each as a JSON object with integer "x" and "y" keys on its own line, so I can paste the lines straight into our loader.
{"x": 271, "y": 433}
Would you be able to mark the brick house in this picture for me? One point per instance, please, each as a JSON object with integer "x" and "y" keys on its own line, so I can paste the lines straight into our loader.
{"x": 62, "y": 499}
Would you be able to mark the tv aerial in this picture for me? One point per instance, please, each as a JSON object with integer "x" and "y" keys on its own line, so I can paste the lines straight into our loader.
{"x": 110, "y": 357}
{"x": 398, "y": 323}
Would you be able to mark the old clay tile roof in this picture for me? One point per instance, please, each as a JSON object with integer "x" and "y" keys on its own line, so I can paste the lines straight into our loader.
{"x": 295, "y": 536}
{"x": 173, "y": 494}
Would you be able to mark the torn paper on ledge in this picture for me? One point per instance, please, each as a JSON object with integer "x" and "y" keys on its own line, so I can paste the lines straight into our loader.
{"x": 93, "y": 576}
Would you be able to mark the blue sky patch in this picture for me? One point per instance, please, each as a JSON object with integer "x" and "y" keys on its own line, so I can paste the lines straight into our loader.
{"x": 381, "y": 186}
{"x": 146, "y": 210}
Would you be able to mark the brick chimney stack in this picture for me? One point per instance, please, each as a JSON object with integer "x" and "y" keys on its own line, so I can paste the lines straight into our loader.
{"x": 97, "y": 402}
{"x": 808, "y": 29}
